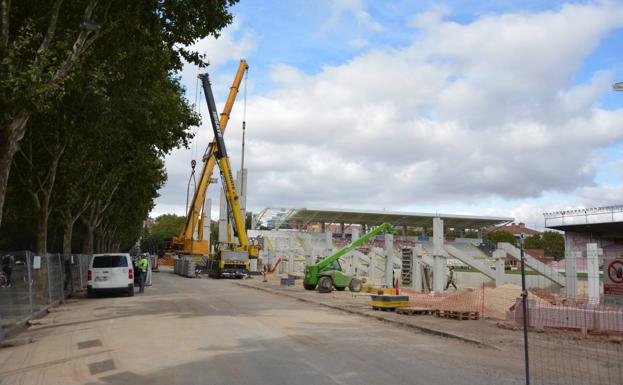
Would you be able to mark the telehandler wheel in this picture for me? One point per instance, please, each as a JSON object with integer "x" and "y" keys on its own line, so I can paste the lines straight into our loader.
{"x": 309, "y": 286}
{"x": 340, "y": 288}
{"x": 354, "y": 285}
{"x": 325, "y": 284}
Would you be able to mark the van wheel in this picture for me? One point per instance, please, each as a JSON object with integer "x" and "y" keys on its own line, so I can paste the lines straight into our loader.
{"x": 131, "y": 291}
{"x": 90, "y": 293}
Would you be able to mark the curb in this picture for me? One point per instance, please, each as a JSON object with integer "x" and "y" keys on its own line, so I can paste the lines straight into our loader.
{"x": 423, "y": 329}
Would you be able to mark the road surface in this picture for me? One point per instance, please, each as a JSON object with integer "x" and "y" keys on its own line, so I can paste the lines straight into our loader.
{"x": 204, "y": 331}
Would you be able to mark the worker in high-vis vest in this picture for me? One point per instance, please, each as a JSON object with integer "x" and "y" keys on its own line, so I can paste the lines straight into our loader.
{"x": 143, "y": 265}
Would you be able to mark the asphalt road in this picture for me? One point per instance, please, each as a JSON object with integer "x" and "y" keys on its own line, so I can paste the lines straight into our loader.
{"x": 203, "y": 331}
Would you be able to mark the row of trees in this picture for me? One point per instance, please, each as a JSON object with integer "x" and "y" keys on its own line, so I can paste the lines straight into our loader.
{"x": 91, "y": 104}
{"x": 552, "y": 242}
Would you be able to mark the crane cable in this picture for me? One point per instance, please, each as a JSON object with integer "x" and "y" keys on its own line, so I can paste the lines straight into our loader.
{"x": 193, "y": 150}
{"x": 244, "y": 127}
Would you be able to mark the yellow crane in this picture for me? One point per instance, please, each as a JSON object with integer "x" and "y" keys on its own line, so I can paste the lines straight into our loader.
{"x": 191, "y": 239}
{"x": 230, "y": 259}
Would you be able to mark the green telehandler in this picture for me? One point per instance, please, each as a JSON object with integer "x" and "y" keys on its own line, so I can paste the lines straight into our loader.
{"x": 327, "y": 273}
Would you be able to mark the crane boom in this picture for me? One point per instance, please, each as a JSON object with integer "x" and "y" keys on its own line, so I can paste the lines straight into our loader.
{"x": 356, "y": 243}
{"x": 186, "y": 241}
{"x": 225, "y": 166}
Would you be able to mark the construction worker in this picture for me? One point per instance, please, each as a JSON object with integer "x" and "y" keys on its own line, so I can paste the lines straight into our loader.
{"x": 7, "y": 269}
{"x": 143, "y": 265}
{"x": 137, "y": 276}
{"x": 68, "y": 273}
{"x": 451, "y": 278}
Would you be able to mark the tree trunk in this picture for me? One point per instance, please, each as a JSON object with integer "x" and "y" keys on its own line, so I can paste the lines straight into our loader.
{"x": 99, "y": 237}
{"x": 10, "y": 136}
{"x": 68, "y": 230}
{"x": 43, "y": 214}
{"x": 88, "y": 239}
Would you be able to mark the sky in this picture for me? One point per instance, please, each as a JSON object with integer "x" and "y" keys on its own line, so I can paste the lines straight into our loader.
{"x": 501, "y": 108}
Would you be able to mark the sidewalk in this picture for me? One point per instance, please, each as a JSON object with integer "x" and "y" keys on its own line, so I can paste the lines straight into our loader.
{"x": 484, "y": 333}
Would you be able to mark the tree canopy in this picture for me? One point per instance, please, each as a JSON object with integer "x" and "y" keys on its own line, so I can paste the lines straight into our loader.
{"x": 91, "y": 104}
{"x": 551, "y": 241}
{"x": 501, "y": 236}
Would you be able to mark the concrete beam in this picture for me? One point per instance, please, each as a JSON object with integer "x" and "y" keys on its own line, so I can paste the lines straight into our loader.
{"x": 470, "y": 261}
{"x": 533, "y": 263}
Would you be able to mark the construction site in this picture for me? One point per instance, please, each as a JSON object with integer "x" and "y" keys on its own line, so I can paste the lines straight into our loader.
{"x": 291, "y": 292}
{"x": 365, "y": 262}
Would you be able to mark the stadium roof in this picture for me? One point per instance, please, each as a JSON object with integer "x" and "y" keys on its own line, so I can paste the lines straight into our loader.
{"x": 304, "y": 216}
{"x": 603, "y": 221}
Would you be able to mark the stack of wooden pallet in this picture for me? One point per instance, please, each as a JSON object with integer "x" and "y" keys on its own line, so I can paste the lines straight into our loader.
{"x": 459, "y": 315}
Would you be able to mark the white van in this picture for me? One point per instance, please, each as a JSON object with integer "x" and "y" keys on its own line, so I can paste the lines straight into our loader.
{"x": 110, "y": 272}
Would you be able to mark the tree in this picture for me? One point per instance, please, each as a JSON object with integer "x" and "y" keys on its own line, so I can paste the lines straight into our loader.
{"x": 534, "y": 242}
{"x": 553, "y": 243}
{"x": 34, "y": 42}
{"x": 501, "y": 236}
{"x": 42, "y": 46}
{"x": 167, "y": 226}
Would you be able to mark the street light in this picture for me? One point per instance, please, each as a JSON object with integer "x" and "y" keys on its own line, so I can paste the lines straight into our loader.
{"x": 618, "y": 86}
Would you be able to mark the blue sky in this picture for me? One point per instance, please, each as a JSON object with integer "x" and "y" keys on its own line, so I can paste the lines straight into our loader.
{"x": 507, "y": 104}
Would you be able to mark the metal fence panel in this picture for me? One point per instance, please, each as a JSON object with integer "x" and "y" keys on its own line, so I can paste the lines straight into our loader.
{"x": 15, "y": 300}
{"x": 37, "y": 282}
{"x": 571, "y": 339}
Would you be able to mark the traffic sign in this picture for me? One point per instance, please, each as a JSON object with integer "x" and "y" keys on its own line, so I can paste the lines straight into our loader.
{"x": 613, "y": 281}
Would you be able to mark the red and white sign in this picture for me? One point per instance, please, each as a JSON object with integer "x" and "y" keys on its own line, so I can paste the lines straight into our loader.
{"x": 613, "y": 281}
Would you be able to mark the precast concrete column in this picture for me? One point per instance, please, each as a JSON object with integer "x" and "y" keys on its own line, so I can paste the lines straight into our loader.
{"x": 372, "y": 267}
{"x": 571, "y": 273}
{"x": 329, "y": 243}
{"x": 241, "y": 186}
{"x": 291, "y": 262}
{"x": 207, "y": 208}
{"x": 416, "y": 272}
{"x": 222, "y": 219}
{"x": 354, "y": 260}
{"x": 500, "y": 262}
{"x": 439, "y": 273}
{"x": 350, "y": 265}
{"x": 292, "y": 247}
{"x": 592, "y": 255}
{"x": 389, "y": 260}
{"x": 439, "y": 259}
{"x": 438, "y": 236}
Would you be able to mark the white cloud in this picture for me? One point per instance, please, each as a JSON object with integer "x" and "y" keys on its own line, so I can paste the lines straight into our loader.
{"x": 600, "y": 196}
{"x": 465, "y": 113}
{"x": 429, "y": 18}
{"x": 228, "y": 47}
{"x": 353, "y": 8}
{"x": 358, "y": 43}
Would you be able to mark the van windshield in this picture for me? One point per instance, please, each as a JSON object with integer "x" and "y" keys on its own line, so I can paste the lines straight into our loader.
{"x": 110, "y": 261}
